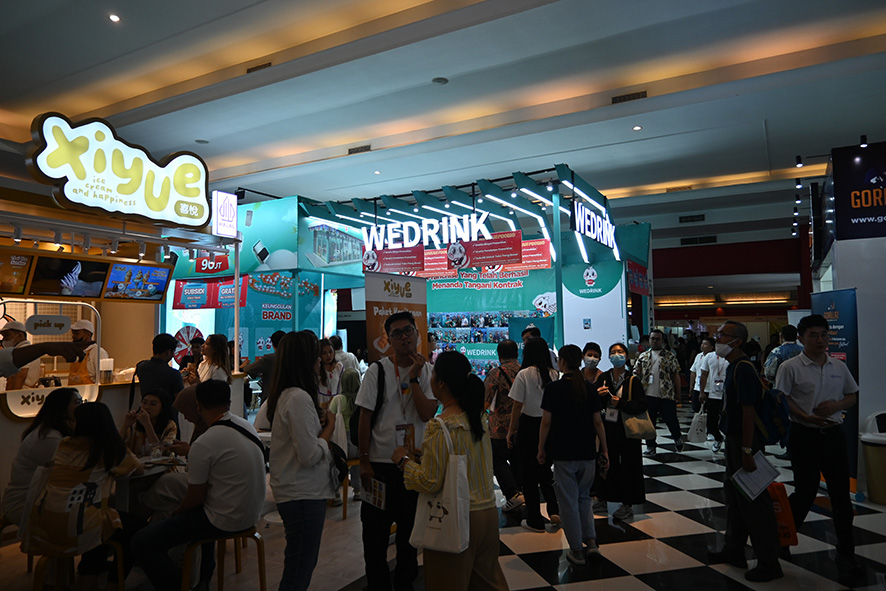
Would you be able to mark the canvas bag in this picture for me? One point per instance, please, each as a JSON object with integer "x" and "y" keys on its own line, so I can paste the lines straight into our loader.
{"x": 638, "y": 426}
{"x": 442, "y": 519}
{"x": 698, "y": 429}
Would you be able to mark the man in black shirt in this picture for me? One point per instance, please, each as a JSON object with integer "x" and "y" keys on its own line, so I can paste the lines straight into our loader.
{"x": 743, "y": 400}
{"x": 195, "y": 356}
{"x": 155, "y": 373}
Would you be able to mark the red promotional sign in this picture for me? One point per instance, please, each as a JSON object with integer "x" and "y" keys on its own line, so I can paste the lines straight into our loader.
{"x": 504, "y": 248}
{"x": 397, "y": 260}
{"x": 638, "y": 280}
{"x": 194, "y": 294}
{"x": 535, "y": 254}
{"x": 206, "y": 264}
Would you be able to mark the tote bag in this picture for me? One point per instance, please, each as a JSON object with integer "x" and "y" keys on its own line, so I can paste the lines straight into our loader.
{"x": 698, "y": 432}
{"x": 638, "y": 426}
{"x": 442, "y": 519}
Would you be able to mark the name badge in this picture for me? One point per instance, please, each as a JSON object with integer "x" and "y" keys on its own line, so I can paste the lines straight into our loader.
{"x": 611, "y": 415}
{"x": 651, "y": 378}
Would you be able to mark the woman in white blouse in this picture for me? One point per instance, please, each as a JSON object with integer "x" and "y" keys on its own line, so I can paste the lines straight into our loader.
{"x": 216, "y": 364}
{"x": 300, "y": 457}
{"x": 527, "y": 391}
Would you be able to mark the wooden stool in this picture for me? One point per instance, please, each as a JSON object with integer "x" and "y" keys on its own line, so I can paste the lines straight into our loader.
{"x": 65, "y": 568}
{"x": 242, "y": 536}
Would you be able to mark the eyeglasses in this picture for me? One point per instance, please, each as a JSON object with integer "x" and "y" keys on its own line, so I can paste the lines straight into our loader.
{"x": 719, "y": 335}
{"x": 816, "y": 336}
{"x": 407, "y": 331}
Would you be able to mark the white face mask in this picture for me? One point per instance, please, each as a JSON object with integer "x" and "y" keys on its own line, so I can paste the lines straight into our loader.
{"x": 591, "y": 362}
{"x": 723, "y": 350}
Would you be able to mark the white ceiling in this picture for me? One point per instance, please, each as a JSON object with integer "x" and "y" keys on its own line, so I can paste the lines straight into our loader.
{"x": 736, "y": 89}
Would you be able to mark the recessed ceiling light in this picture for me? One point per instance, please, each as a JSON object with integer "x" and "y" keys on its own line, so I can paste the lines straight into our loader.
{"x": 439, "y": 80}
{"x": 637, "y": 128}
{"x": 377, "y": 172}
{"x": 710, "y": 287}
{"x": 114, "y": 18}
{"x": 201, "y": 141}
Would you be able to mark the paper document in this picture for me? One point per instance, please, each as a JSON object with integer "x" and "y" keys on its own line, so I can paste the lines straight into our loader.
{"x": 751, "y": 484}
{"x": 377, "y": 495}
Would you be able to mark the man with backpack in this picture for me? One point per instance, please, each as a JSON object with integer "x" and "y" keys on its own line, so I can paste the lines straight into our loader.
{"x": 744, "y": 518}
{"x": 498, "y": 384}
{"x": 818, "y": 389}
{"x": 391, "y": 416}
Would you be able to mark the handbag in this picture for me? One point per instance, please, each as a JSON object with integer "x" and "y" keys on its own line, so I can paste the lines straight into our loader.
{"x": 442, "y": 519}
{"x": 638, "y": 426}
{"x": 698, "y": 427}
{"x": 784, "y": 518}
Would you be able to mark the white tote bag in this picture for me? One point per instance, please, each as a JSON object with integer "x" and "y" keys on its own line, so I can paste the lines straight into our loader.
{"x": 340, "y": 433}
{"x": 442, "y": 519}
{"x": 698, "y": 430}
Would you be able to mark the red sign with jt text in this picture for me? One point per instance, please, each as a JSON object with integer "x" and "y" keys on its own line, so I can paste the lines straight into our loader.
{"x": 504, "y": 248}
{"x": 206, "y": 265}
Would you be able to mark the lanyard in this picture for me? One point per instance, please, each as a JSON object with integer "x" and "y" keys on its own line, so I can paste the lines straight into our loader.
{"x": 405, "y": 390}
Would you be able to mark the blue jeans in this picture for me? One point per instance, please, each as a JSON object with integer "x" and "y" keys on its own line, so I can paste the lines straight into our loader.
{"x": 152, "y": 544}
{"x": 303, "y": 524}
{"x": 572, "y": 481}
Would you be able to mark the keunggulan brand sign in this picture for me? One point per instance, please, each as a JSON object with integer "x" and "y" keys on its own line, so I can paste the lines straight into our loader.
{"x": 449, "y": 230}
{"x": 94, "y": 169}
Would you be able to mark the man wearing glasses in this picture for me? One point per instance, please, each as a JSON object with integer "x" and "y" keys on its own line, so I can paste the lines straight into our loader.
{"x": 819, "y": 388}
{"x": 744, "y": 518}
{"x": 406, "y": 405}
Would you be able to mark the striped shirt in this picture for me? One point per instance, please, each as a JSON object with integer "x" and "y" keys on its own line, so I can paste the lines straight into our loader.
{"x": 428, "y": 476}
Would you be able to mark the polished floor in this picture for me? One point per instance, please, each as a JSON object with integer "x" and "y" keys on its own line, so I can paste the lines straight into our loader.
{"x": 663, "y": 547}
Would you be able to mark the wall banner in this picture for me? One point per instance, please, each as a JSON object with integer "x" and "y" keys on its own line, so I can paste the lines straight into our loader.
{"x": 269, "y": 308}
{"x": 216, "y": 292}
{"x": 638, "y": 278}
{"x": 503, "y": 248}
{"x": 860, "y": 191}
{"x": 399, "y": 260}
{"x": 387, "y": 295}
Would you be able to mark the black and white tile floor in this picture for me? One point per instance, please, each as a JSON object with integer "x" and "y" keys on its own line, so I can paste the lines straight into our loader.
{"x": 664, "y": 546}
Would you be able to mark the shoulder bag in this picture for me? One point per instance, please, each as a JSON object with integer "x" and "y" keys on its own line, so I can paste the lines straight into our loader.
{"x": 638, "y": 426}
{"x": 442, "y": 519}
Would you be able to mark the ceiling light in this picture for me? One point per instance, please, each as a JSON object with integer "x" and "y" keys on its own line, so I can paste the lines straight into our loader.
{"x": 796, "y": 212}
{"x": 58, "y": 238}
{"x": 637, "y": 128}
{"x": 17, "y": 234}
{"x": 479, "y": 200}
{"x": 513, "y": 194}
{"x": 377, "y": 172}
{"x": 794, "y": 232}
{"x": 864, "y": 142}
{"x": 797, "y": 199}
{"x": 114, "y": 244}
{"x": 166, "y": 252}
{"x": 799, "y": 161}
{"x": 799, "y": 184}
{"x": 532, "y": 193}
{"x": 550, "y": 186}
{"x": 202, "y": 142}
{"x": 387, "y": 213}
{"x": 510, "y": 212}
{"x": 415, "y": 209}
{"x": 796, "y": 223}
{"x": 87, "y": 243}
{"x": 114, "y": 18}
{"x": 141, "y": 250}
{"x": 710, "y": 287}
{"x": 192, "y": 254}
{"x": 439, "y": 80}
{"x": 544, "y": 207}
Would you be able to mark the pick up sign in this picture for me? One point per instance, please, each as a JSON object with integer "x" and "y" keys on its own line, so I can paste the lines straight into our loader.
{"x": 46, "y": 324}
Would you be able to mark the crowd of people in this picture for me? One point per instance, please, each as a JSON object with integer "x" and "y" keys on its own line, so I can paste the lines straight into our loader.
{"x": 551, "y": 428}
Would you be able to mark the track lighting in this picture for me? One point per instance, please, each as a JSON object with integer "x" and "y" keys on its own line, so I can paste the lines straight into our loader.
{"x": 799, "y": 184}
{"x": 796, "y": 212}
{"x": 513, "y": 194}
{"x": 114, "y": 245}
{"x": 864, "y": 142}
{"x": 550, "y": 186}
{"x": 799, "y": 161}
{"x": 141, "y": 250}
{"x": 17, "y": 234}
{"x": 797, "y": 199}
{"x": 57, "y": 240}
{"x": 87, "y": 243}
{"x": 166, "y": 252}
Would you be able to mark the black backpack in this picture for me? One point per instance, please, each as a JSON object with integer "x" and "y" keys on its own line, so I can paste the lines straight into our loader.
{"x": 354, "y": 427}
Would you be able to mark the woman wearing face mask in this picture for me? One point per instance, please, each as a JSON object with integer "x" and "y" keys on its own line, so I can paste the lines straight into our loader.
{"x": 592, "y": 354}
{"x": 621, "y": 392}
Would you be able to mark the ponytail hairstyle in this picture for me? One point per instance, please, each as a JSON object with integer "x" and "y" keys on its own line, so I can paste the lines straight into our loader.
{"x": 537, "y": 355}
{"x": 571, "y": 356}
{"x": 453, "y": 369}
{"x": 297, "y": 356}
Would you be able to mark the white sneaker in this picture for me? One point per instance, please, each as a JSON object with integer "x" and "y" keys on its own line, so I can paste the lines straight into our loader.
{"x": 715, "y": 447}
{"x": 575, "y": 557}
{"x": 710, "y": 437}
{"x": 513, "y": 502}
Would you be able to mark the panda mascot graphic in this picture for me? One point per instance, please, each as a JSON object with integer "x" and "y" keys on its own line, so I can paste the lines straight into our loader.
{"x": 370, "y": 261}
{"x": 458, "y": 255}
{"x": 590, "y": 276}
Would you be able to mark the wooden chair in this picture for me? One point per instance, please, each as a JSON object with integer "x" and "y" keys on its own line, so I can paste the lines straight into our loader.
{"x": 65, "y": 568}
{"x": 344, "y": 488}
{"x": 238, "y": 538}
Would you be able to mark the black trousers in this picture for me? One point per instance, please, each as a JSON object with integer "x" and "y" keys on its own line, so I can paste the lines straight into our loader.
{"x": 744, "y": 518}
{"x": 713, "y": 407}
{"x": 817, "y": 451}
{"x": 667, "y": 410}
{"x": 503, "y": 460}
{"x": 535, "y": 476}
{"x": 400, "y": 509}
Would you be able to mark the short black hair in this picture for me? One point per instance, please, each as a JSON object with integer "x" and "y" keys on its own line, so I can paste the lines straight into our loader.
{"x": 657, "y": 330}
{"x": 591, "y": 346}
{"x": 163, "y": 342}
{"x": 812, "y": 321}
{"x": 336, "y": 343}
{"x": 275, "y": 338}
{"x": 197, "y": 341}
{"x": 711, "y": 341}
{"x": 396, "y": 317}
{"x": 789, "y": 332}
{"x": 507, "y": 349}
{"x": 741, "y": 331}
{"x": 214, "y": 394}
{"x": 533, "y": 331}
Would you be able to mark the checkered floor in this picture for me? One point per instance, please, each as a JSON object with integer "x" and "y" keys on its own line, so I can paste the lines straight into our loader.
{"x": 664, "y": 546}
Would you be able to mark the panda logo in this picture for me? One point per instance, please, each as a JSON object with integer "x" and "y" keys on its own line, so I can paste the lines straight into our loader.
{"x": 590, "y": 276}
{"x": 370, "y": 261}
{"x": 546, "y": 303}
{"x": 458, "y": 255}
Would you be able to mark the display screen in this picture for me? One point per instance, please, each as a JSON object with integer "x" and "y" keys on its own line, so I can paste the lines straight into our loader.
{"x": 137, "y": 282}
{"x": 14, "y": 270}
{"x": 57, "y": 276}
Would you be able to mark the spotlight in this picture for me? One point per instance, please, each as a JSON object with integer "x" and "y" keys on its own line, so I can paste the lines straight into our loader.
{"x": 415, "y": 209}
{"x": 550, "y": 186}
{"x": 799, "y": 184}
{"x": 799, "y": 161}
{"x": 513, "y": 194}
{"x": 797, "y": 199}
{"x": 479, "y": 200}
{"x": 114, "y": 245}
{"x": 17, "y": 234}
{"x": 796, "y": 223}
{"x": 544, "y": 208}
{"x": 58, "y": 238}
{"x": 511, "y": 212}
{"x": 192, "y": 254}
{"x": 141, "y": 250}
{"x": 446, "y": 205}
{"x": 793, "y": 232}
{"x": 387, "y": 213}
{"x": 796, "y": 212}
{"x": 166, "y": 252}
{"x": 864, "y": 142}
{"x": 87, "y": 243}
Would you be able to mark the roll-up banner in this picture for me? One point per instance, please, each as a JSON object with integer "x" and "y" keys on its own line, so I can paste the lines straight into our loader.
{"x": 387, "y": 295}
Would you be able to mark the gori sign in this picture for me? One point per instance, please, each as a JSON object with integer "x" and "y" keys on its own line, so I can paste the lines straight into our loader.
{"x": 93, "y": 169}
{"x": 449, "y": 230}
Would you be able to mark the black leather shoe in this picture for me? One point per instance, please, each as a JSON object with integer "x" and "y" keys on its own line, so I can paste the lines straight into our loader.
{"x": 763, "y": 574}
{"x": 784, "y": 552}
{"x": 726, "y": 557}
{"x": 848, "y": 565}
{"x": 785, "y": 456}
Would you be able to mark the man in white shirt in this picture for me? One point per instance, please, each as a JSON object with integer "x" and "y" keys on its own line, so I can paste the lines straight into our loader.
{"x": 400, "y": 417}
{"x": 346, "y": 358}
{"x": 712, "y": 383}
{"x": 15, "y": 336}
{"x": 818, "y": 389}
{"x": 226, "y": 490}
{"x": 695, "y": 373}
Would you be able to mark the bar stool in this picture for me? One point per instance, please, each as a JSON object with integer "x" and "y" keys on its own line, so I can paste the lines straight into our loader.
{"x": 65, "y": 568}
{"x": 239, "y": 537}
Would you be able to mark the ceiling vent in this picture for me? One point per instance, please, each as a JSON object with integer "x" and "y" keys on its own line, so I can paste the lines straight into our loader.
{"x": 695, "y": 240}
{"x": 688, "y": 219}
{"x": 359, "y": 149}
{"x": 258, "y": 67}
{"x": 633, "y": 96}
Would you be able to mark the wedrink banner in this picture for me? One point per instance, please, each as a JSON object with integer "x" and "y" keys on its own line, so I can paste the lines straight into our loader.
{"x": 534, "y": 254}
{"x": 268, "y": 308}
{"x": 471, "y": 312}
{"x": 860, "y": 191}
{"x": 503, "y": 248}
{"x": 594, "y": 305}
{"x": 387, "y": 295}
{"x": 545, "y": 326}
{"x": 841, "y": 311}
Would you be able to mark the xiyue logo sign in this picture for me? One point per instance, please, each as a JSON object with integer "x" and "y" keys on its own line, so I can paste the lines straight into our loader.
{"x": 92, "y": 168}
{"x": 398, "y": 290}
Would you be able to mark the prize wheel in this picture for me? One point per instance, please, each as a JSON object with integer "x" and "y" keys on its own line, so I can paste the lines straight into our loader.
{"x": 183, "y": 341}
